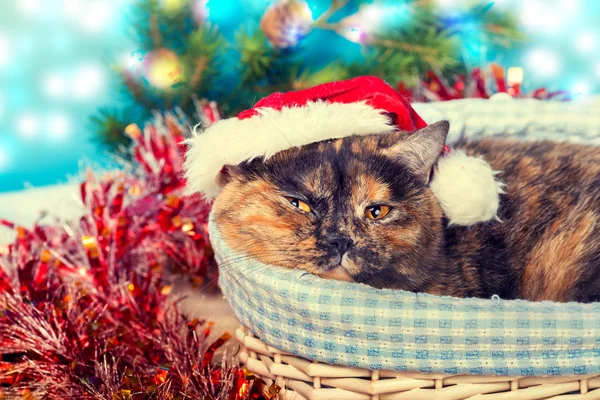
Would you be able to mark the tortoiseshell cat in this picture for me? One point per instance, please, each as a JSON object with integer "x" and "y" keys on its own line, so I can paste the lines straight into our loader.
{"x": 360, "y": 209}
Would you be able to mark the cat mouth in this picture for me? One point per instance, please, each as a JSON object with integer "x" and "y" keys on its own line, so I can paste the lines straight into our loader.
{"x": 338, "y": 273}
{"x": 339, "y": 270}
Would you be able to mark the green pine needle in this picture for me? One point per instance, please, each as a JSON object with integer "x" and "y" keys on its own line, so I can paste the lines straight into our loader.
{"x": 256, "y": 54}
{"x": 332, "y": 72}
{"x": 109, "y": 125}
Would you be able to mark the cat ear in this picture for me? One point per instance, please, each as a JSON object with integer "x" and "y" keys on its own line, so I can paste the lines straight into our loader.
{"x": 421, "y": 149}
{"x": 226, "y": 175}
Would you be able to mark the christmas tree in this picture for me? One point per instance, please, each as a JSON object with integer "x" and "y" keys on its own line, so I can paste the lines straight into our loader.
{"x": 183, "y": 58}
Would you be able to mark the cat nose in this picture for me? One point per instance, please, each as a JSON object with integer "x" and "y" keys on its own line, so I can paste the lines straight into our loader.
{"x": 342, "y": 244}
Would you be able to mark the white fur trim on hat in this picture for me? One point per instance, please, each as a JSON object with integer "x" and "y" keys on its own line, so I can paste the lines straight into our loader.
{"x": 232, "y": 141}
{"x": 466, "y": 188}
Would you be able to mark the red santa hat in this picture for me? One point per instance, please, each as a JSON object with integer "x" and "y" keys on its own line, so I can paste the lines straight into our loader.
{"x": 465, "y": 186}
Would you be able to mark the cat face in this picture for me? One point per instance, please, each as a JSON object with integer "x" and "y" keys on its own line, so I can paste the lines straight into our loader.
{"x": 355, "y": 209}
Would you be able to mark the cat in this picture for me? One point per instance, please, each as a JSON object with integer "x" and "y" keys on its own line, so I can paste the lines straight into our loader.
{"x": 359, "y": 209}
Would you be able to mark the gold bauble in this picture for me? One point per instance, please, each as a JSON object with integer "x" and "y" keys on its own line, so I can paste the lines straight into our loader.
{"x": 162, "y": 68}
{"x": 173, "y": 6}
{"x": 286, "y": 22}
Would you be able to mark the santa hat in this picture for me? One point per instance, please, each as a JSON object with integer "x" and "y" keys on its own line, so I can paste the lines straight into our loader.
{"x": 464, "y": 186}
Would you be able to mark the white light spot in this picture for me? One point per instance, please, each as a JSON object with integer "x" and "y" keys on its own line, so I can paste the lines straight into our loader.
{"x": 538, "y": 16}
{"x": 580, "y": 88}
{"x": 514, "y": 75}
{"x": 372, "y": 14}
{"x": 28, "y": 7}
{"x": 95, "y": 16}
{"x": 5, "y": 50}
{"x": 530, "y": 13}
{"x": 88, "y": 81}
{"x": 72, "y": 7}
{"x": 446, "y": 3}
{"x": 27, "y": 124}
{"x": 132, "y": 61}
{"x": 354, "y": 35}
{"x": 59, "y": 125}
{"x": 585, "y": 42}
{"x": 569, "y": 6}
{"x": 502, "y": 3}
{"x": 542, "y": 62}
{"x": 54, "y": 85}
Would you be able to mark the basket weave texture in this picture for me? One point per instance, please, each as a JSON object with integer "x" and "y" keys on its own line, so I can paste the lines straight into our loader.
{"x": 303, "y": 379}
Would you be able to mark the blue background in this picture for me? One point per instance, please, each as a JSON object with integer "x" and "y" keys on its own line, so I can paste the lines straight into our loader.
{"x": 56, "y": 58}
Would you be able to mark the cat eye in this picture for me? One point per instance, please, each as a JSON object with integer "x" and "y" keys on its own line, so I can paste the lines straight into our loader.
{"x": 377, "y": 212}
{"x": 299, "y": 204}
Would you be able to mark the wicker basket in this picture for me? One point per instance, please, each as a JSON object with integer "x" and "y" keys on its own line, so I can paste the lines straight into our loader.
{"x": 304, "y": 379}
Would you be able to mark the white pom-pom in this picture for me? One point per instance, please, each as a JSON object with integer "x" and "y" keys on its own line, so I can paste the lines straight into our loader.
{"x": 466, "y": 188}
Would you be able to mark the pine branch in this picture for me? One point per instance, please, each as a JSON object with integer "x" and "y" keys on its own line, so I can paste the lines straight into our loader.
{"x": 202, "y": 61}
{"x": 155, "y": 32}
{"x": 137, "y": 91}
{"x": 335, "y": 6}
{"x": 331, "y": 72}
{"x": 195, "y": 80}
{"x": 109, "y": 125}
{"x": 256, "y": 55}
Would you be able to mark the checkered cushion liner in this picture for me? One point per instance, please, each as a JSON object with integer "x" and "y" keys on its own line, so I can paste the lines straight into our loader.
{"x": 359, "y": 326}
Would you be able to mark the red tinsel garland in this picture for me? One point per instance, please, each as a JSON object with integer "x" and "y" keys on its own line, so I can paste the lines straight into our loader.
{"x": 480, "y": 84}
{"x": 85, "y": 311}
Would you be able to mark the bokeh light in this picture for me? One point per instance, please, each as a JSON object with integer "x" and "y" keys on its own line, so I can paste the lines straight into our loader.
{"x": 5, "y": 50}
{"x": 29, "y": 7}
{"x": 586, "y": 42}
{"x": 580, "y": 88}
{"x": 447, "y": 3}
{"x": 71, "y": 7}
{"x": 59, "y": 125}
{"x": 54, "y": 85}
{"x": 27, "y": 124}
{"x": 132, "y": 61}
{"x": 88, "y": 81}
{"x": 544, "y": 16}
{"x": 92, "y": 16}
{"x": 354, "y": 35}
{"x": 543, "y": 61}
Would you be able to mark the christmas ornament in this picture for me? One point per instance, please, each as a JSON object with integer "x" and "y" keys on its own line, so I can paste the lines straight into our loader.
{"x": 162, "y": 68}
{"x": 286, "y": 22}
{"x": 173, "y": 6}
{"x": 515, "y": 78}
{"x": 357, "y": 106}
{"x": 86, "y": 309}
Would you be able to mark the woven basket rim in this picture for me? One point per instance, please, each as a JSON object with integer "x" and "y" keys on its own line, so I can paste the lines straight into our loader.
{"x": 301, "y": 379}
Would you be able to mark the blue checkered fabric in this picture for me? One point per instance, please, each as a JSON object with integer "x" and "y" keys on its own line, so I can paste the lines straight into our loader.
{"x": 359, "y": 326}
